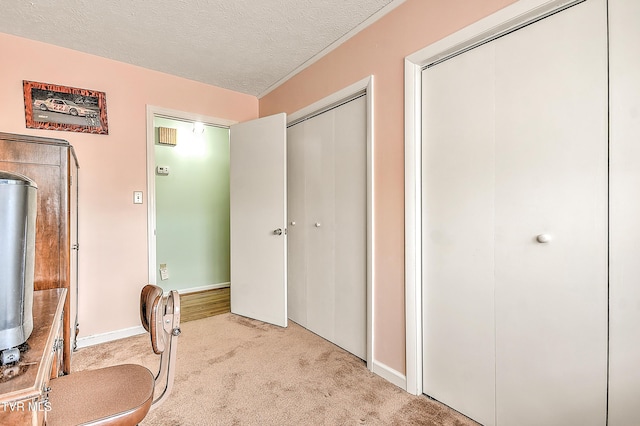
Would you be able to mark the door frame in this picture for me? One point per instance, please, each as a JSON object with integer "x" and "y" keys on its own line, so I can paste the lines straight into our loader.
{"x": 362, "y": 86}
{"x": 152, "y": 113}
{"x": 499, "y": 23}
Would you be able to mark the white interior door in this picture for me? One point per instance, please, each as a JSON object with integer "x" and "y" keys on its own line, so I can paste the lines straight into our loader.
{"x": 515, "y": 225}
{"x": 258, "y": 206}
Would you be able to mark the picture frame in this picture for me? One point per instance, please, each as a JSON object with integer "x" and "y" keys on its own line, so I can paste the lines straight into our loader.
{"x": 55, "y": 107}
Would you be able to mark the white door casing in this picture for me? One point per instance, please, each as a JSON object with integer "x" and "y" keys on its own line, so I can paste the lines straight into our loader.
{"x": 258, "y": 219}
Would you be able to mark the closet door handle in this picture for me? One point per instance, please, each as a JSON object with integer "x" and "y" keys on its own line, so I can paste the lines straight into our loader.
{"x": 277, "y": 231}
{"x": 317, "y": 225}
{"x": 543, "y": 238}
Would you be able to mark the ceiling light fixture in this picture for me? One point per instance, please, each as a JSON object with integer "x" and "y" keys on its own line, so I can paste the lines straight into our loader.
{"x": 198, "y": 128}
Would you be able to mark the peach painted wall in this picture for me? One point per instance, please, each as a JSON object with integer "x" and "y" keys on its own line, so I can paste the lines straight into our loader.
{"x": 112, "y": 230}
{"x": 380, "y": 50}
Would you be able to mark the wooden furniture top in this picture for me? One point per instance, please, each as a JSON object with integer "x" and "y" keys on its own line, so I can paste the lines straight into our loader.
{"x": 13, "y": 137}
{"x": 34, "y": 367}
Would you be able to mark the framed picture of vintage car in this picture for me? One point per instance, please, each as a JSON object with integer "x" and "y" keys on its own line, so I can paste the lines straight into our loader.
{"x": 55, "y": 107}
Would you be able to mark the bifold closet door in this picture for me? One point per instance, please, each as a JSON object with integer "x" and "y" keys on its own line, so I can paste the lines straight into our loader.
{"x": 551, "y": 298}
{"x": 515, "y": 224}
{"x": 296, "y": 233}
{"x": 624, "y": 291}
{"x": 458, "y": 219}
{"x": 350, "y": 226}
{"x": 327, "y": 225}
{"x": 319, "y": 225}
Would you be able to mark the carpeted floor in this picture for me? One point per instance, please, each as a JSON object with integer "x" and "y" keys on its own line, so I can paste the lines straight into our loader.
{"x": 237, "y": 371}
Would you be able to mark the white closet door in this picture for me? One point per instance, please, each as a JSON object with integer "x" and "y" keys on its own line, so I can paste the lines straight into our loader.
{"x": 624, "y": 344}
{"x": 328, "y": 244}
{"x": 458, "y": 240}
{"x": 551, "y": 179}
{"x": 258, "y": 204}
{"x": 320, "y": 225}
{"x": 350, "y": 226}
{"x": 515, "y": 146}
{"x": 296, "y": 229}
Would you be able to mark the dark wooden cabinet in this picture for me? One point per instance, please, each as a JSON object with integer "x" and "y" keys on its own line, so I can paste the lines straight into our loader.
{"x": 52, "y": 164}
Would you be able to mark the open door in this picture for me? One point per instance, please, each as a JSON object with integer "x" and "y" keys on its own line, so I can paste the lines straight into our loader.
{"x": 258, "y": 200}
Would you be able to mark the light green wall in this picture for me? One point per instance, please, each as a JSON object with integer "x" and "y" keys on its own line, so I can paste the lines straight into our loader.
{"x": 192, "y": 207}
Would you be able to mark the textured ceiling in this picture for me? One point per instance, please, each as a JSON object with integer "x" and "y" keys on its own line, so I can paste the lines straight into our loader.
{"x": 243, "y": 45}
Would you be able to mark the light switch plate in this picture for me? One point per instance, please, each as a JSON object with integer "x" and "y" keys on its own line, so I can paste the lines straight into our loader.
{"x": 137, "y": 197}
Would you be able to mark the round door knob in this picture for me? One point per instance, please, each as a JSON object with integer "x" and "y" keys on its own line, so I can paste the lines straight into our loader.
{"x": 317, "y": 225}
{"x": 543, "y": 238}
{"x": 277, "y": 231}
{"x": 293, "y": 224}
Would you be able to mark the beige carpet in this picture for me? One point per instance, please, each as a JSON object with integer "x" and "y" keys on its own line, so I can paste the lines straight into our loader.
{"x": 236, "y": 371}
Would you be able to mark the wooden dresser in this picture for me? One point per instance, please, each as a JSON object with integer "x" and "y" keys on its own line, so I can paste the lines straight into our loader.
{"x": 52, "y": 164}
{"x": 24, "y": 386}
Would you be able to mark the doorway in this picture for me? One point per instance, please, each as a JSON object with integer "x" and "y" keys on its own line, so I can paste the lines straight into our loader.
{"x": 192, "y": 207}
{"x": 264, "y": 132}
{"x": 188, "y": 201}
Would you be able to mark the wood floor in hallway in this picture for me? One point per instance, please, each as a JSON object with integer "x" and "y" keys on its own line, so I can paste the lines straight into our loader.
{"x": 204, "y": 304}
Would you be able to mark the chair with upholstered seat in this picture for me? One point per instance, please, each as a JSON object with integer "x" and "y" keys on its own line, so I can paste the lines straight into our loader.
{"x": 122, "y": 394}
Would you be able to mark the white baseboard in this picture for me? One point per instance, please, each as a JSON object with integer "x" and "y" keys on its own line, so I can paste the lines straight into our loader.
{"x": 84, "y": 342}
{"x": 204, "y": 288}
{"x": 390, "y": 374}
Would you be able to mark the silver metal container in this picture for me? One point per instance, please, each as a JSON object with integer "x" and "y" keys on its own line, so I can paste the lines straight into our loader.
{"x": 18, "y": 200}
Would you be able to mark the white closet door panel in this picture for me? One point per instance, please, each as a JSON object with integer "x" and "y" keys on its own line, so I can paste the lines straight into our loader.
{"x": 624, "y": 344}
{"x": 458, "y": 230}
{"x": 551, "y": 178}
{"x": 350, "y": 197}
{"x": 320, "y": 225}
{"x": 296, "y": 230}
